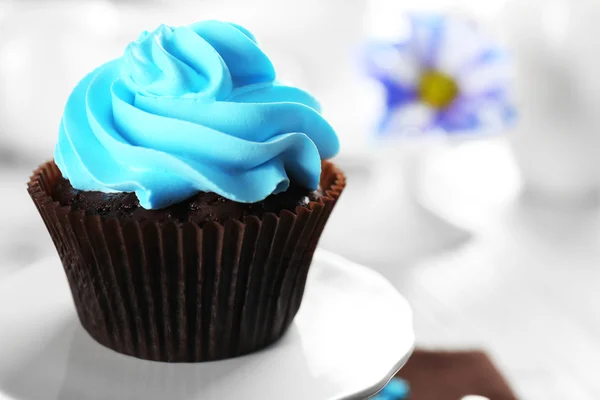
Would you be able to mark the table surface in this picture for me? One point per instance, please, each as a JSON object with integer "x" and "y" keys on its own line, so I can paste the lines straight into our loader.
{"x": 524, "y": 286}
{"x": 525, "y": 289}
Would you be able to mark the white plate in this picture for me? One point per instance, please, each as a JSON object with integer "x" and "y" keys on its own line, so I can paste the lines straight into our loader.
{"x": 353, "y": 332}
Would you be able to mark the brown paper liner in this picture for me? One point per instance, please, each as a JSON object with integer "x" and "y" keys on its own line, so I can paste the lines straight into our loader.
{"x": 186, "y": 292}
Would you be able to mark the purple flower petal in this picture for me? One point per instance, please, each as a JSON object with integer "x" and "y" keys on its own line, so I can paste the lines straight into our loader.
{"x": 486, "y": 113}
{"x": 427, "y": 32}
{"x": 409, "y": 119}
{"x": 394, "y": 63}
{"x": 396, "y": 95}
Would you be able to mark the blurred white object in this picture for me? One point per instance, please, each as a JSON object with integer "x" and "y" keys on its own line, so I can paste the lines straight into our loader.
{"x": 469, "y": 184}
{"x": 474, "y": 397}
{"x": 45, "y": 49}
{"x": 378, "y": 218}
{"x": 23, "y": 235}
{"x": 557, "y": 143}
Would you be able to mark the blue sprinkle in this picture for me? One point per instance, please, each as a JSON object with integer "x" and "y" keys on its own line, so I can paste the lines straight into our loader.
{"x": 396, "y": 389}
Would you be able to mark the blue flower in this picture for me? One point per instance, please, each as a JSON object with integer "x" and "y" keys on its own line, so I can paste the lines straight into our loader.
{"x": 442, "y": 75}
{"x": 396, "y": 389}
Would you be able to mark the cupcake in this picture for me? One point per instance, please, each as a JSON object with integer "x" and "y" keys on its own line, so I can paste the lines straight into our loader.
{"x": 188, "y": 191}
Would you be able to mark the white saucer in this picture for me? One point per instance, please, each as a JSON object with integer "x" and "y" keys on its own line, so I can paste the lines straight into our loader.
{"x": 353, "y": 332}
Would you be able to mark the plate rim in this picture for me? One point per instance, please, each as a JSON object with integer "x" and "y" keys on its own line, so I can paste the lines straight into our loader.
{"x": 331, "y": 257}
{"x": 322, "y": 256}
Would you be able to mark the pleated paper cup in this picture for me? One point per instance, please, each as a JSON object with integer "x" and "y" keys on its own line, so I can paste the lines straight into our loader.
{"x": 186, "y": 292}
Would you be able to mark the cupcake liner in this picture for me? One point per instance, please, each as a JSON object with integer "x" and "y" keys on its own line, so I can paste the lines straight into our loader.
{"x": 186, "y": 292}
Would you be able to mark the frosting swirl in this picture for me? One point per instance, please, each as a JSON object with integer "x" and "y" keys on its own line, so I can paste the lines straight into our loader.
{"x": 192, "y": 109}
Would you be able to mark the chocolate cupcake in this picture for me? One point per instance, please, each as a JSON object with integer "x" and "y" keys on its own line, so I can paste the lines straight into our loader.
{"x": 187, "y": 195}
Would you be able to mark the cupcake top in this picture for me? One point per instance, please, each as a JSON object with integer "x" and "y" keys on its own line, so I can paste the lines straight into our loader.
{"x": 187, "y": 110}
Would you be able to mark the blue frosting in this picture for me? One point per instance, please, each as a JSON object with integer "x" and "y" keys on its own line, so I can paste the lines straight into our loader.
{"x": 192, "y": 109}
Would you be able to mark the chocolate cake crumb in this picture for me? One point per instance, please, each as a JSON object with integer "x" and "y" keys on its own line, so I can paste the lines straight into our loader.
{"x": 202, "y": 207}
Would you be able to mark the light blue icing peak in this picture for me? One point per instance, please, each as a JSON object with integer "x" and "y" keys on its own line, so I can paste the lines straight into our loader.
{"x": 191, "y": 109}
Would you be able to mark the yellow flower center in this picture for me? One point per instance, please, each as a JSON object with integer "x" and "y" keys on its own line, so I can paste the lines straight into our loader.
{"x": 437, "y": 89}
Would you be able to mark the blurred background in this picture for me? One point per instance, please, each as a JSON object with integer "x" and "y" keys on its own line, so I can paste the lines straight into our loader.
{"x": 494, "y": 239}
